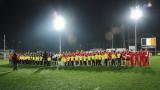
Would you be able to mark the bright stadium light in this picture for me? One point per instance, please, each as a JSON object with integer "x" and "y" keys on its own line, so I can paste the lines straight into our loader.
{"x": 136, "y": 13}
{"x": 149, "y": 4}
{"x": 59, "y": 23}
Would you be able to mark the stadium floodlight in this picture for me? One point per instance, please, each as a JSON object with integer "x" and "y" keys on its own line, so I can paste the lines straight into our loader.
{"x": 149, "y": 4}
{"x": 59, "y": 25}
{"x": 136, "y": 14}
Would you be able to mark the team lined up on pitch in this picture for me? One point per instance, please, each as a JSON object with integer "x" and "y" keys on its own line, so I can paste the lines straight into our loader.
{"x": 101, "y": 58}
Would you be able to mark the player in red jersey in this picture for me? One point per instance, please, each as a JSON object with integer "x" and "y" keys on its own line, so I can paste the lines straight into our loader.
{"x": 141, "y": 58}
{"x": 136, "y": 58}
{"x": 127, "y": 58}
{"x": 123, "y": 58}
{"x": 132, "y": 59}
{"x": 146, "y": 58}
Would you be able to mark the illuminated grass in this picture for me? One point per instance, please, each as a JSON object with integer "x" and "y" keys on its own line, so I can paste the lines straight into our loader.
{"x": 80, "y": 78}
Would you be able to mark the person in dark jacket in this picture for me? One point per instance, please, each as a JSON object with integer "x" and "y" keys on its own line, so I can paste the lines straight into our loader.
{"x": 45, "y": 58}
{"x": 15, "y": 61}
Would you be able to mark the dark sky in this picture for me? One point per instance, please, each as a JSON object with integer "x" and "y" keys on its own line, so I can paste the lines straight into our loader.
{"x": 28, "y": 23}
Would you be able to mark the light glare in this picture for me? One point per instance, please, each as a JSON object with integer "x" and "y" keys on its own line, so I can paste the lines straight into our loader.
{"x": 149, "y": 4}
{"x": 59, "y": 23}
{"x": 136, "y": 13}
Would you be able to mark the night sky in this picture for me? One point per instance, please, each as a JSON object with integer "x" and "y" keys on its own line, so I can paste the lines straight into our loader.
{"x": 28, "y": 24}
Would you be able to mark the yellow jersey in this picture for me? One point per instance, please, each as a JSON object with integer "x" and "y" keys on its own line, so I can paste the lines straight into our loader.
{"x": 96, "y": 57}
{"x": 88, "y": 58}
{"x": 80, "y": 58}
{"x": 40, "y": 58}
{"x": 93, "y": 57}
{"x": 99, "y": 57}
{"x": 68, "y": 58}
{"x": 72, "y": 58}
{"x": 84, "y": 58}
{"x": 64, "y": 59}
{"x": 76, "y": 58}
{"x": 49, "y": 58}
{"x": 119, "y": 55}
{"x": 113, "y": 56}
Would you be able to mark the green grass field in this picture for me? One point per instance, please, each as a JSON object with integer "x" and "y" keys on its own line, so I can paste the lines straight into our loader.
{"x": 80, "y": 78}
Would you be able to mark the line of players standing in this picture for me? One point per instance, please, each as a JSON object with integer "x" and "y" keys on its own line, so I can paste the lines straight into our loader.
{"x": 101, "y": 58}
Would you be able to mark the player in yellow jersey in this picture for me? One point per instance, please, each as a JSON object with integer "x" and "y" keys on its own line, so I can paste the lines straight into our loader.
{"x": 84, "y": 60}
{"x": 72, "y": 60}
{"x": 103, "y": 59}
{"x": 76, "y": 60}
{"x": 100, "y": 59}
{"x": 37, "y": 60}
{"x": 49, "y": 60}
{"x": 93, "y": 60}
{"x": 96, "y": 57}
{"x": 113, "y": 59}
{"x": 33, "y": 61}
{"x": 119, "y": 58}
{"x": 37, "y": 56}
{"x": 40, "y": 59}
{"x": 68, "y": 60}
{"x": 29, "y": 61}
{"x": 59, "y": 57}
{"x": 80, "y": 60}
{"x": 106, "y": 57}
{"x": 88, "y": 59}
{"x": 24, "y": 58}
{"x": 21, "y": 58}
{"x": 64, "y": 59}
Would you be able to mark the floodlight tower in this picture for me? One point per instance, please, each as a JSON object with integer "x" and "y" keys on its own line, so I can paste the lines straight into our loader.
{"x": 59, "y": 25}
{"x": 136, "y": 14}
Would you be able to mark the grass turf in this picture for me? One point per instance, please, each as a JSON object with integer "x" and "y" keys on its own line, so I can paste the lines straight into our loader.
{"x": 80, "y": 78}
